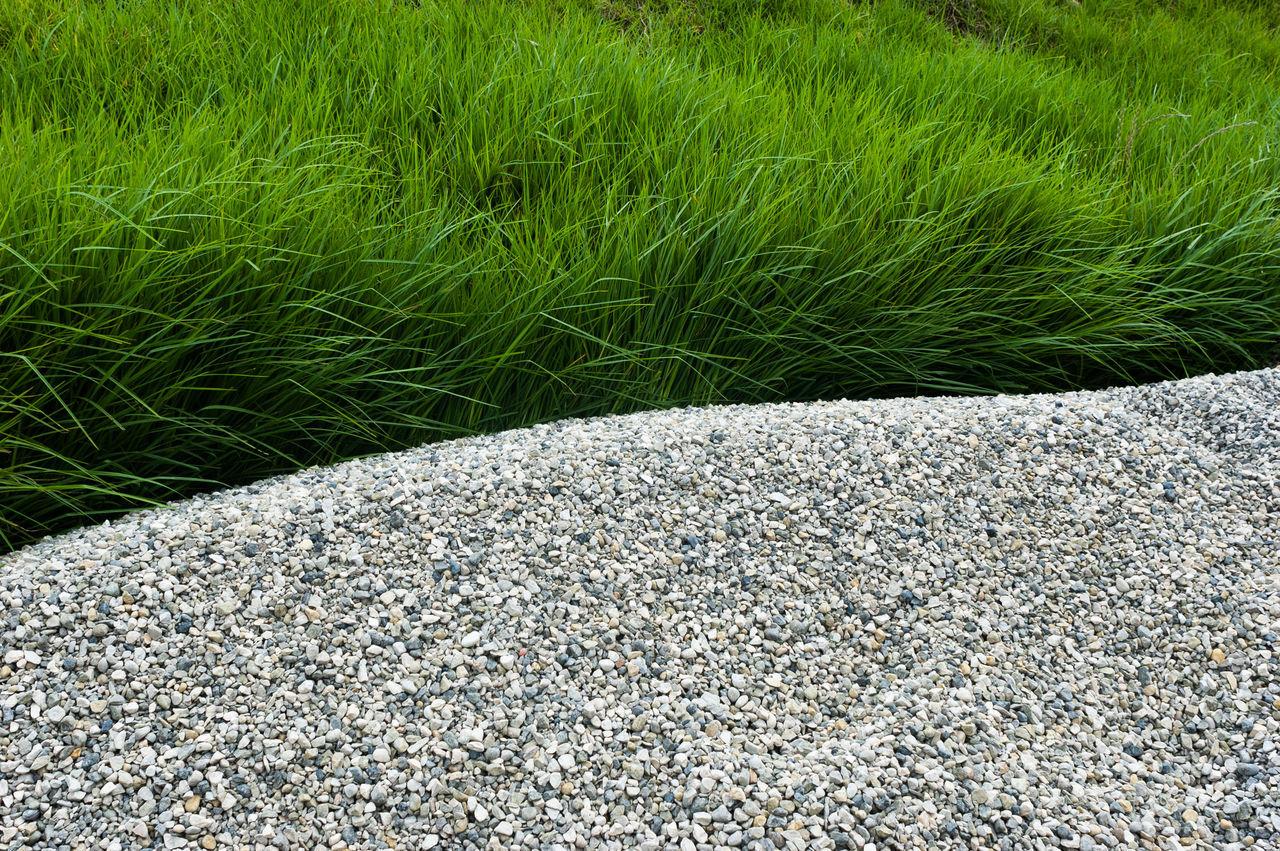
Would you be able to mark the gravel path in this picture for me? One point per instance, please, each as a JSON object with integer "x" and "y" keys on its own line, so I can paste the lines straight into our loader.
{"x": 1013, "y": 622}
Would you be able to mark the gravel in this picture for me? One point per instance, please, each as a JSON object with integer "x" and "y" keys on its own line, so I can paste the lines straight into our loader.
{"x": 1009, "y": 622}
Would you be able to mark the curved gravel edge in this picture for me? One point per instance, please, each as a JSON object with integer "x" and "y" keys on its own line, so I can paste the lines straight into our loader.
{"x": 1037, "y": 621}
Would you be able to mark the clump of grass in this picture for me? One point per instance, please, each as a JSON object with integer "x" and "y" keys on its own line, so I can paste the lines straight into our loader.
{"x": 961, "y": 17}
{"x": 242, "y": 238}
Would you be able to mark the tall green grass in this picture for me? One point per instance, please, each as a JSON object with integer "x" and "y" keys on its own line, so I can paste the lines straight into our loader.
{"x": 238, "y": 238}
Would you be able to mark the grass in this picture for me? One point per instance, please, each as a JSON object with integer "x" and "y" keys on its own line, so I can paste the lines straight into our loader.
{"x": 239, "y": 238}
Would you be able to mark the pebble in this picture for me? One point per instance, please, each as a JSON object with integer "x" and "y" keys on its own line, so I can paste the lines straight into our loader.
{"x": 946, "y": 623}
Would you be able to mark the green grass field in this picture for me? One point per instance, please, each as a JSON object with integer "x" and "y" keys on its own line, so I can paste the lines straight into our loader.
{"x": 239, "y": 237}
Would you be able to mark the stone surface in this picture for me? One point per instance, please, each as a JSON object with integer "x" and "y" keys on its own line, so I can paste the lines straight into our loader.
{"x": 1011, "y": 622}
